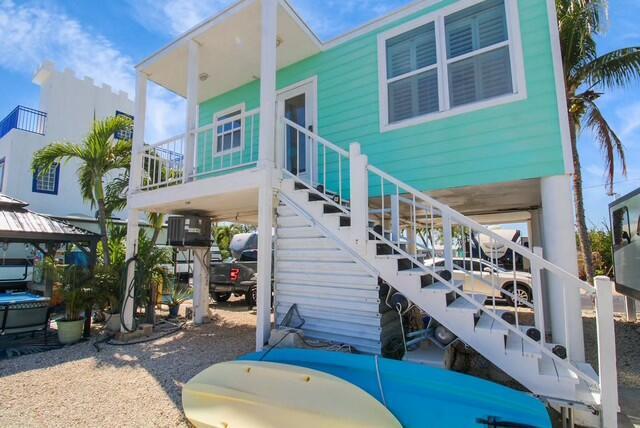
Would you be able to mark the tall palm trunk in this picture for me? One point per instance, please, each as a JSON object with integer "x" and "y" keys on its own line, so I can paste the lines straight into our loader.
{"x": 102, "y": 221}
{"x": 581, "y": 223}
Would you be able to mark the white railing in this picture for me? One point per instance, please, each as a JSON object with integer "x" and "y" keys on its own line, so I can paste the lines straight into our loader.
{"x": 227, "y": 145}
{"x": 398, "y": 207}
{"x": 318, "y": 163}
{"x": 163, "y": 163}
{"x": 221, "y": 147}
{"x": 401, "y": 212}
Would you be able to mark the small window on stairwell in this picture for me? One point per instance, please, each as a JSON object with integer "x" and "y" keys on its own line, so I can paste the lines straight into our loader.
{"x": 229, "y": 130}
{"x": 126, "y": 134}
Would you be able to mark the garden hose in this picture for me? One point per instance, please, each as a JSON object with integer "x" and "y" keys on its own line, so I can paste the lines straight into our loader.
{"x": 128, "y": 291}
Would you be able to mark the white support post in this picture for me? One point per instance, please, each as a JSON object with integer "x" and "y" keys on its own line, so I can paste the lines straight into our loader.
{"x": 193, "y": 71}
{"x": 448, "y": 240}
{"x": 140, "y": 111}
{"x": 128, "y": 304}
{"x": 606, "y": 351}
{"x": 201, "y": 262}
{"x": 359, "y": 196}
{"x": 538, "y": 299}
{"x": 559, "y": 238}
{"x": 630, "y": 309}
{"x": 412, "y": 239}
{"x": 266, "y": 162}
{"x": 395, "y": 218}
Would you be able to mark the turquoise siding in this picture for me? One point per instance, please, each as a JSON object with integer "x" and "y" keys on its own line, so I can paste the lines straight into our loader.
{"x": 519, "y": 140}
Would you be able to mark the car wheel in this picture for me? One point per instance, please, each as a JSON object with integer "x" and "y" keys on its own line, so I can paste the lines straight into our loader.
{"x": 221, "y": 297}
{"x": 251, "y": 296}
{"x": 523, "y": 292}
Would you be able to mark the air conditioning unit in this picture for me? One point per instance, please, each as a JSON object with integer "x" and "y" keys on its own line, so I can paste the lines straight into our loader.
{"x": 189, "y": 231}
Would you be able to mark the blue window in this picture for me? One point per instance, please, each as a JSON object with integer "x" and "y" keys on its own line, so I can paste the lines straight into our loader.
{"x": 48, "y": 182}
{"x": 126, "y": 134}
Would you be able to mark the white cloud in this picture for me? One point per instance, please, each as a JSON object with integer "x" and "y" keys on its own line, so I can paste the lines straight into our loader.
{"x": 173, "y": 17}
{"x": 34, "y": 32}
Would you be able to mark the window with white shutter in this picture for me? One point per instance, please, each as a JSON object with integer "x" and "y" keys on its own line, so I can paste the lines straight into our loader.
{"x": 478, "y": 60}
{"x": 412, "y": 75}
{"x": 456, "y": 57}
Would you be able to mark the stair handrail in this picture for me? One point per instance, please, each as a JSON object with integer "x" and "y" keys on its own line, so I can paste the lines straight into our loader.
{"x": 472, "y": 224}
{"x": 316, "y": 137}
{"x": 431, "y": 271}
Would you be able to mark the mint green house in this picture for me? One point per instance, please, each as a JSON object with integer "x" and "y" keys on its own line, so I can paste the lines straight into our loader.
{"x": 435, "y": 120}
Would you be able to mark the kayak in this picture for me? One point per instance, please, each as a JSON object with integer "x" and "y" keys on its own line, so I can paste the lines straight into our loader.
{"x": 258, "y": 394}
{"x": 419, "y": 395}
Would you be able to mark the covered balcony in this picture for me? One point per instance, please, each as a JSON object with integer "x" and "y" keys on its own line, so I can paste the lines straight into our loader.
{"x": 239, "y": 46}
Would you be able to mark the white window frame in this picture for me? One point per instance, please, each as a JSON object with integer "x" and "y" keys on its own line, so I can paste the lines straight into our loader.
{"x": 216, "y": 116}
{"x": 445, "y": 110}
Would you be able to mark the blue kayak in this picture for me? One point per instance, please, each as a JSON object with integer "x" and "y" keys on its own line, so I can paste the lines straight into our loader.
{"x": 418, "y": 395}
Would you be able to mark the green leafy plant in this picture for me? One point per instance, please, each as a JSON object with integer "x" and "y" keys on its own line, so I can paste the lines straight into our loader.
{"x": 99, "y": 154}
{"x": 178, "y": 293}
{"x": 77, "y": 291}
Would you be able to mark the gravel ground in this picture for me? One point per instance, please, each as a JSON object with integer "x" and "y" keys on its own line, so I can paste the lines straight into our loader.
{"x": 136, "y": 385}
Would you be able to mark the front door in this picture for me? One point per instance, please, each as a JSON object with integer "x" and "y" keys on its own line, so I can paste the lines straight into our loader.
{"x": 298, "y": 105}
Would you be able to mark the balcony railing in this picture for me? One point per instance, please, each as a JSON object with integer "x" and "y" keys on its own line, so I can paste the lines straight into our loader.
{"x": 25, "y": 119}
{"x": 222, "y": 147}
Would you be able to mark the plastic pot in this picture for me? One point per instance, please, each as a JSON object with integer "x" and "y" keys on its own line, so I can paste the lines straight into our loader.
{"x": 69, "y": 331}
{"x": 173, "y": 311}
{"x": 113, "y": 322}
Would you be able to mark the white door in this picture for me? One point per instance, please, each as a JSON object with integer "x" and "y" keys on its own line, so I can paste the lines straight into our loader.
{"x": 298, "y": 104}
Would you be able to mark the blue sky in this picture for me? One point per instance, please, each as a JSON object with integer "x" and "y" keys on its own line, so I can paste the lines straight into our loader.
{"x": 106, "y": 39}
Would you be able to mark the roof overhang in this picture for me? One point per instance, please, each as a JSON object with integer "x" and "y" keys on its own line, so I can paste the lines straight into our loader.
{"x": 230, "y": 50}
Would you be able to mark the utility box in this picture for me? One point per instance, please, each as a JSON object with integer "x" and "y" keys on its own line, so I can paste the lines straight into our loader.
{"x": 189, "y": 231}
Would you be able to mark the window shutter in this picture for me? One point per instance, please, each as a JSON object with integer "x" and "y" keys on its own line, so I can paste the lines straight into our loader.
{"x": 476, "y": 27}
{"x": 411, "y": 51}
{"x": 413, "y": 96}
{"x": 480, "y": 77}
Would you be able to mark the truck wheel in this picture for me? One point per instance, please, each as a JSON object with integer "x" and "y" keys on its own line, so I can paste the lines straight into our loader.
{"x": 221, "y": 297}
{"x": 251, "y": 296}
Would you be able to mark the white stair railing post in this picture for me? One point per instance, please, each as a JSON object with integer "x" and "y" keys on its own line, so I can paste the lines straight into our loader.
{"x": 395, "y": 217}
{"x": 448, "y": 245}
{"x": 606, "y": 351}
{"x": 538, "y": 302}
{"x": 359, "y": 196}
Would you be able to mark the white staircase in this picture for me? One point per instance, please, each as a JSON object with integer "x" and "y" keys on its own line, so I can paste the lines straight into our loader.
{"x": 336, "y": 237}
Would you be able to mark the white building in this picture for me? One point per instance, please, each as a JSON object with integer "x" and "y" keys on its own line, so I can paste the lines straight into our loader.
{"x": 68, "y": 107}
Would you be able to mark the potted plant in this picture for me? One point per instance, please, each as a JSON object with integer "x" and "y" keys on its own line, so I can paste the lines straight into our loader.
{"x": 77, "y": 296}
{"x": 106, "y": 284}
{"x": 177, "y": 293}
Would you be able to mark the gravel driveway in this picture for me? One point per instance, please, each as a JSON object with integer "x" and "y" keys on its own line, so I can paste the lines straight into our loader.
{"x": 137, "y": 385}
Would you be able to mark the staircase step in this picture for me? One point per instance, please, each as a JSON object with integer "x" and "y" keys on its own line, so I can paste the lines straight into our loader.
{"x": 315, "y": 197}
{"x": 412, "y": 272}
{"x": 549, "y": 367}
{"x": 330, "y": 209}
{"x": 300, "y": 186}
{"x": 464, "y": 305}
{"x": 490, "y": 325}
{"x": 516, "y": 345}
{"x": 439, "y": 287}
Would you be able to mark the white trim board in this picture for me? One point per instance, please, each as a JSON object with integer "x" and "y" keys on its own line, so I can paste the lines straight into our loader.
{"x": 516, "y": 58}
{"x": 563, "y": 113}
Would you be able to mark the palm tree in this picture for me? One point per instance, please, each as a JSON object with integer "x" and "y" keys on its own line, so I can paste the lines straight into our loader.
{"x": 587, "y": 76}
{"x": 99, "y": 154}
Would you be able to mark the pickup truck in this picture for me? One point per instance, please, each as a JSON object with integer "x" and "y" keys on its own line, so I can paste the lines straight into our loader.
{"x": 238, "y": 278}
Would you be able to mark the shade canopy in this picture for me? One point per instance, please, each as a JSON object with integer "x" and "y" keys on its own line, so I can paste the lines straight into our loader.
{"x": 19, "y": 224}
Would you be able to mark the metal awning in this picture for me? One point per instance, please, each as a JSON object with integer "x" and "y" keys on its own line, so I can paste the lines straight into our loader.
{"x": 19, "y": 224}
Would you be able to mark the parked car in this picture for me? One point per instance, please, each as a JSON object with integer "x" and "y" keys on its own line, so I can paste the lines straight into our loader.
{"x": 480, "y": 275}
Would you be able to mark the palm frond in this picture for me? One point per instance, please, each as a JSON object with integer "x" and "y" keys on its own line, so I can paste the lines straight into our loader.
{"x": 46, "y": 158}
{"x": 116, "y": 193}
{"x": 613, "y": 69}
{"x": 610, "y": 144}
